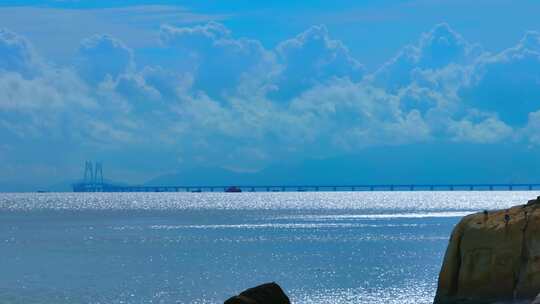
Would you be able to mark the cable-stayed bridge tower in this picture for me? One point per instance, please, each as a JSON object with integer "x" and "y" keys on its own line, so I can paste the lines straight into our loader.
{"x": 98, "y": 174}
{"x": 92, "y": 180}
{"x": 88, "y": 173}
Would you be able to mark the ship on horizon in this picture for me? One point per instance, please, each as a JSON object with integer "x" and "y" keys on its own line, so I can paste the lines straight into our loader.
{"x": 233, "y": 189}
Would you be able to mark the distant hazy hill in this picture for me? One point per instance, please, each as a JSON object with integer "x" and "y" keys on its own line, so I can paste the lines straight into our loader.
{"x": 67, "y": 186}
{"x": 64, "y": 186}
{"x": 23, "y": 187}
{"x": 437, "y": 163}
{"x": 16, "y": 187}
{"x": 204, "y": 176}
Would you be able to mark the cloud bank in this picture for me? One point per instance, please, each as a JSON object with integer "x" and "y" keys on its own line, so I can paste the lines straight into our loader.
{"x": 211, "y": 97}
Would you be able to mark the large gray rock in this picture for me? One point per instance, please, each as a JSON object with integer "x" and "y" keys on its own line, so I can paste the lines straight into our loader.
{"x": 269, "y": 293}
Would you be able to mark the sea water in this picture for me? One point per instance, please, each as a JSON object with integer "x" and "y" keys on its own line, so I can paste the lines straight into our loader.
{"x": 321, "y": 247}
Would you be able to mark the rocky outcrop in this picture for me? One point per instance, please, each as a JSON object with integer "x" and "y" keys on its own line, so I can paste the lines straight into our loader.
{"x": 493, "y": 257}
{"x": 269, "y": 293}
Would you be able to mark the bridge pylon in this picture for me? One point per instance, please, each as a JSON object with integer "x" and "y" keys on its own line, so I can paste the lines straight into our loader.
{"x": 88, "y": 173}
{"x": 98, "y": 174}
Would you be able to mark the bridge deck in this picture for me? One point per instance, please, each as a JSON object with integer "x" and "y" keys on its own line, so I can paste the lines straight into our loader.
{"x": 82, "y": 187}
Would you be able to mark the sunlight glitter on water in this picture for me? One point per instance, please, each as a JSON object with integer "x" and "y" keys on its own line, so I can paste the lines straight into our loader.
{"x": 324, "y": 247}
{"x": 413, "y": 294}
{"x": 377, "y": 200}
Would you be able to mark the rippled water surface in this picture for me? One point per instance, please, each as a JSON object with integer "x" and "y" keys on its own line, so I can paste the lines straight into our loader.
{"x": 325, "y": 247}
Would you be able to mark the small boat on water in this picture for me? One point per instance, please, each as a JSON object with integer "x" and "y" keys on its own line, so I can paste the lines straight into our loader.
{"x": 233, "y": 189}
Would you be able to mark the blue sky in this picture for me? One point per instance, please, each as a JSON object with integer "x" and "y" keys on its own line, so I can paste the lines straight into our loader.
{"x": 154, "y": 87}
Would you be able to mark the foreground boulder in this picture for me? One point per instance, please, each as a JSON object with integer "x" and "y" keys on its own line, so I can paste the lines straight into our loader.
{"x": 269, "y": 293}
{"x": 493, "y": 257}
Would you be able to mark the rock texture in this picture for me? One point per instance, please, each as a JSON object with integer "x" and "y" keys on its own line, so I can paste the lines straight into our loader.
{"x": 536, "y": 300}
{"x": 493, "y": 257}
{"x": 269, "y": 293}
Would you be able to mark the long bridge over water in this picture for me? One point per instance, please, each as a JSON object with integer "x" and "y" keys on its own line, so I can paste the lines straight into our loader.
{"x": 93, "y": 182}
{"x": 303, "y": 188}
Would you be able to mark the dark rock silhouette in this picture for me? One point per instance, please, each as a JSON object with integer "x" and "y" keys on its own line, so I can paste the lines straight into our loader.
{"x": 269, "y": 293}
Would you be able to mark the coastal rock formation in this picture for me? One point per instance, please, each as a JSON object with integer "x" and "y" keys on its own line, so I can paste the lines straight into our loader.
{"x": 269, "y": 293}
{"x": 493, "y": 257}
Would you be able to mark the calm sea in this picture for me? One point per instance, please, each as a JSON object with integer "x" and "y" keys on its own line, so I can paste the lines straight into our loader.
{"x": 324, "y": 247}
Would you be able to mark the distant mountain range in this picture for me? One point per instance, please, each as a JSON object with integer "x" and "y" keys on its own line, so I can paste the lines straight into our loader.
{"x": 412, "y": 164}
{"x": 416, "y": 164}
